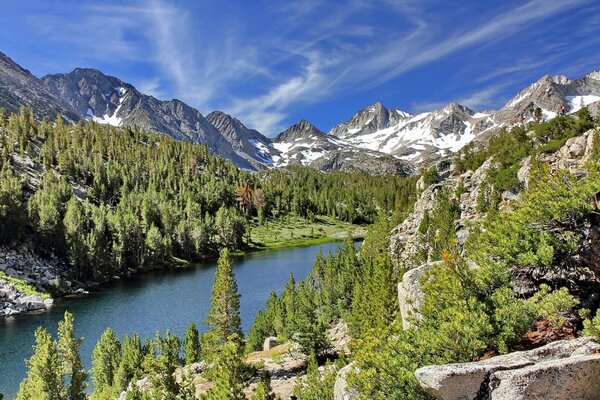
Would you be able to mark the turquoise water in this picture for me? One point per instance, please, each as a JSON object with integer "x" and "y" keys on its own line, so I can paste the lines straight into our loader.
{"x": 152, "y": 302}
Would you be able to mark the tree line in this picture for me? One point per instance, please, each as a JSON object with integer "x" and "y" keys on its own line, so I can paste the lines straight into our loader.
{"x": 113, "y": 200}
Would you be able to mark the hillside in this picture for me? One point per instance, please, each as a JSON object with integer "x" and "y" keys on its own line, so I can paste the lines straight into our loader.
{"x": 87, "y": 203}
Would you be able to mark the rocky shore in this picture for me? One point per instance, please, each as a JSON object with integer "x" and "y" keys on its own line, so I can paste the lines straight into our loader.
{"x": 28, "y": 281}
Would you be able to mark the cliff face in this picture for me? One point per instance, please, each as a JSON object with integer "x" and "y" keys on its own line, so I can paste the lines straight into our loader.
{"x": 410, "y": 251}
{"x": 406, "y": 243}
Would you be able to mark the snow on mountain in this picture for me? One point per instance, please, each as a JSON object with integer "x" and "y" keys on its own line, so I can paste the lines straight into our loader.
{"x": 414, "y": 138}
{"x": 375, "y": 139}
{"x": 247, "y": 143}
{"x": 550, "y": 93}
{"x": 576, "y": 103}
{"x": 304, "y": 144}
{"x": 108, "y": 100}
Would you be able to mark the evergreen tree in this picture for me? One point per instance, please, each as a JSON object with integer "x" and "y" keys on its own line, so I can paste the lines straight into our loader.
{"x": 73, "y": 367}
{"x": 316, "y": 386}
{"x": 131, "y": 361}
{"x": 310, "y": 330}
{"x": 228, "y": 373}
{"x": 191, "y": 344}
{"x": 187, "y": 388}
{"x": 74, "y": 223}
{"x": 224, "y": 314}
{"x": 12, "y": 206}
{"x": 263, "y": 389}
{"x": 105, "y": 360}
{"x": 44, "y": 379}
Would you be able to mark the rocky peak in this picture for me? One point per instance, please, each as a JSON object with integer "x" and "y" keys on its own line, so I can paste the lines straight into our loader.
{"x": 7, "y": 63}
{"x": 88, "y": 91}
{"x": 248, "y": 143}
{"x": 18, "y": 87}
{"x": 594, "y": 75}
{"x": 556, "y": 79}
{"x": 368, "y": 120}
{"x": 226, "y": 124}
{"x": 300, "y": 130}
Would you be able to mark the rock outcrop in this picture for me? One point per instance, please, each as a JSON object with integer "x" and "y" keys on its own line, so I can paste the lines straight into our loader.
{"x": 14, "y": 301}
{"x": 410, "y": 295}
{"x": 269, "y": 343}
{"x": 341, "y": 390}
{"x": 406, "y": 244}
{"x": 559, "y": 370}
{"x": 46, "y": 275}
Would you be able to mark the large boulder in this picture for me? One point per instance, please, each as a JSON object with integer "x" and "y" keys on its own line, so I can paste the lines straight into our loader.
{"x": 341, "y": 390}
{"x": 410, "y": 296}
{"x": 269, "y": 343}
{"x": 517, "y": 374}
{"x": 576, "y": 377}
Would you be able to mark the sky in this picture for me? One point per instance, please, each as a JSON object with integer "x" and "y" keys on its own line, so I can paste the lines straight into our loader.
{"x": 272, "y": 63}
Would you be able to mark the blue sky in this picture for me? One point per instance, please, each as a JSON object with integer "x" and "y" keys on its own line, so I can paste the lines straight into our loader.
{"x": 271, "y": 63}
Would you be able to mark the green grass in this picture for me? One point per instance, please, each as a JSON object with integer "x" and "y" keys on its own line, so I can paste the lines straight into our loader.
{"x": 295, "y": 231}
{"x": 23, "y": 286}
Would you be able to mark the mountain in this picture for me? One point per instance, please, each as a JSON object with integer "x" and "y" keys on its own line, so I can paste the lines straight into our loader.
{"x": 550, "y": 93}
{"x": 95, "y": 96}
{"x": 18, "y": 87}
{"x": 304, "y": 144}
{"x": 425, "y": 138}
{"x": 416, "y": 138}
{"x": 248, "y": 143}
{"x": 376, "y": 139}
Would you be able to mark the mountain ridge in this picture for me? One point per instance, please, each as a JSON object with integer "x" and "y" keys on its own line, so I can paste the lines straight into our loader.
{"x": 409, "y": 141}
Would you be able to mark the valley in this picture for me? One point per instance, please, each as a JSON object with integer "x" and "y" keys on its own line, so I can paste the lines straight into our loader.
{"x": 481, "y": 237}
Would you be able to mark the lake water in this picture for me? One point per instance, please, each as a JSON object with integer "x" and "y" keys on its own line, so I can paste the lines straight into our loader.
{"x": 151, "y": 302}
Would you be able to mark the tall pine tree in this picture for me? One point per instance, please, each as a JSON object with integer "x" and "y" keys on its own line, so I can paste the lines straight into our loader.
{"x": 73, "y": 368}
{"x": 106, "y": 358}
{"x": 228, "y": 380}
{"x": 44, "y": 379}
{"x": 224, "y": 314}
{"x": 191, "y": 344}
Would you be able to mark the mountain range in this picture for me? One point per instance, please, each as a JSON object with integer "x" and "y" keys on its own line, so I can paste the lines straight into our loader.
{"x": 376, "y": 140}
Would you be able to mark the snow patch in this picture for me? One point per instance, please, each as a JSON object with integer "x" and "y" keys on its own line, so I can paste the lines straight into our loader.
{"x": 576, "y": 103}
{"x": 520, "y": 97}
{"x": 262, "y": 151}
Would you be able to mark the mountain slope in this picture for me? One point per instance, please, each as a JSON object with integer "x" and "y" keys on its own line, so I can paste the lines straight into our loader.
{"x": 550, "y": 93}
{"x": 418, "y": 138}
{"x": 374, "y": 140}
{"x": 18, "y": 87}
{"x": 426, "y": 137}
{"x": 106, "y": 99}
{"x": 247, "y": 143}
{"x": 304, "y": 144}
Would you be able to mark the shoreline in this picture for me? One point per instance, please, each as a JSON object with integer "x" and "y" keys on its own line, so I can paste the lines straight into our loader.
{"x": 27, "y": 302}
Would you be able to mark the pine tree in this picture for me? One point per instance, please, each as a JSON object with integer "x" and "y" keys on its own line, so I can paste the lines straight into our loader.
{"x": 74, "y": 223}
{"x": 187, "y": 388}
{"x": 310, "y": 331}
{"x": 316, "y": 386}
{"x": 263, "y": 389}
{"x": 105, "y": 360}
{"x": 191, "y": 344}
{"x": 44, "y": 379}
{"x": 12, "y": 206}
{"x": 228, "y": 373}
{"x": 131, "y": 361}
{"x": 224, "y": 314}
{"x": 73, "y": 367}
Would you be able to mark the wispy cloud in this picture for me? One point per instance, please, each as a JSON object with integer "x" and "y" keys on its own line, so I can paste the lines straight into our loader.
{"x": 377, "y": 63}
{"x": 292, "y": 54}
